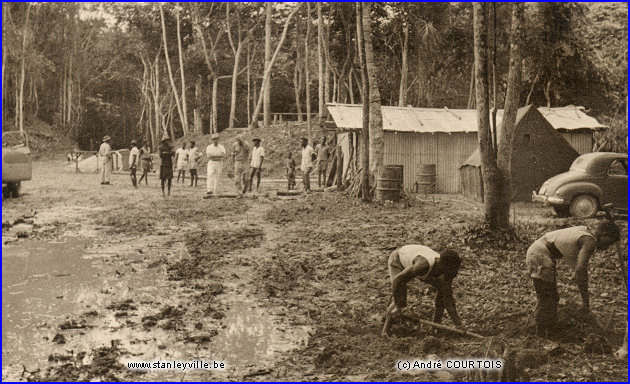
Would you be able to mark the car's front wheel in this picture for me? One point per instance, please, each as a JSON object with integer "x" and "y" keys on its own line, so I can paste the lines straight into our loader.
{"x": 584, "y": 206}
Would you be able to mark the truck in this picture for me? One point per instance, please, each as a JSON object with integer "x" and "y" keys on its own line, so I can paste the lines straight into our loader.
{"x": 17, "y": 162}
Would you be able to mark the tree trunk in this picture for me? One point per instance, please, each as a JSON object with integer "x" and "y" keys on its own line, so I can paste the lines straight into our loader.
{"x": 215, "y": 92}
{"x": 508, "y": 124}
{"x": 320, "y": 63}
{"x": 365, "y": 130}
{"x": 297, "y": 75}
{"x": 23, "y": 69}
{"x": 181, "y": 70}
{"x": 237, "y": 61}
{"x": 327, "y": 68}
{"x": 267, "y": 89}
{"x": 404, "y": 69}
{"x": 307, "y": 75}
{"x": 377, "y": 141}
{"x": 489, "y": 169}
{"x": 249, "y": 85}
{"x": 471, "y": 92}
{"x": 267, "y": 73}
{"x": 197, "y": 120}
{"x": 170, "y": 72}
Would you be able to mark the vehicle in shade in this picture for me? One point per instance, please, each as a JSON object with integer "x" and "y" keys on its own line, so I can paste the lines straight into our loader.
{"x": 594, "y": 180}
{"x": 17, "y": 164}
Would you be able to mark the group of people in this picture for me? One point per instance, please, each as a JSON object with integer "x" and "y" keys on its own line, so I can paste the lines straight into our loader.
{"x": 188, "y": 158}
{"x": 137, "y": 156}
{"x": 574, "y": 246}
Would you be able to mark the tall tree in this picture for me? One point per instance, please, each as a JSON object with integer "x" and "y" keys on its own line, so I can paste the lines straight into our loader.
{"x": 377, "y": 141}
{"x": 307, "y": 74}
{"x": 181, "y": 72}
{"x": 495, "y": 165}
{"x": 489, "y": 169}
{"x": 266, "y": 91}
{"x": 365, "y": 110}
{"x": 320, "y": 62}
{"x": 267, "y": 72}
{"x": 25, "y": 36}
{"x": 182, "y": 118}
{"x": 508, "y": 124}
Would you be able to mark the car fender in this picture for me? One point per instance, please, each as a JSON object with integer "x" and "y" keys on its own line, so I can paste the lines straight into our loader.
{"x": 569, "y": 191}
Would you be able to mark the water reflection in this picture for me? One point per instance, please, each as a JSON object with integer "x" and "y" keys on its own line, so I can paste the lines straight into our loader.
{"x": 40, "y": 281}
{"x": 246, "y": 340}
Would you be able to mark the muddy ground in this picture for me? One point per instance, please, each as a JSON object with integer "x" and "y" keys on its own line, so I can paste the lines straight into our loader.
{"x": 279, "y": 289}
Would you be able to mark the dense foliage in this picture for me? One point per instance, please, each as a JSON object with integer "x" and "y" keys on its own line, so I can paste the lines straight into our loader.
{"x": 90, "y": 69}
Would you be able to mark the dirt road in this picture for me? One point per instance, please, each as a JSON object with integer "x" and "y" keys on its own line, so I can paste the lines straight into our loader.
{"x": 96, "y": 276}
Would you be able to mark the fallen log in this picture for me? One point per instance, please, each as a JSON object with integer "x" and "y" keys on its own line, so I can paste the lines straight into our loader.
{"x": 221, "y": 195}
{"x": 443, "y": 327}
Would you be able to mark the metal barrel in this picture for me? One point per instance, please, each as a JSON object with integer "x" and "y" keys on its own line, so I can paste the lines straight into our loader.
{"x": 389, "y": 182}
{"x": 427, "y": 179}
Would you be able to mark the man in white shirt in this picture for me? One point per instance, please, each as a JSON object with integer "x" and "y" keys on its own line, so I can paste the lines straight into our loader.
{"x": 258, "y": 156}
{"x": 105, "y": 152}
{"x": 216, "y": 153}
{"x": 307, "y": 164}
{"x": 181, "y": 159}
{"x": 134, "y": 156}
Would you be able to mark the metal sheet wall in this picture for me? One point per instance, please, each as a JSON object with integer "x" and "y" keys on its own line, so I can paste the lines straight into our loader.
{"x": 447, "y": 151}
{"x": 581, "y": 141}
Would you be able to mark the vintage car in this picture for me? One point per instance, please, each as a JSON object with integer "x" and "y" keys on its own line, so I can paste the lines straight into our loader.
{"x": 16, "y": 162}
{"x": 594, "y": 180}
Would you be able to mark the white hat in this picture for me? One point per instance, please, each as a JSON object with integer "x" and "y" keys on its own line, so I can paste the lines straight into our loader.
{"x": 215, "y": 135}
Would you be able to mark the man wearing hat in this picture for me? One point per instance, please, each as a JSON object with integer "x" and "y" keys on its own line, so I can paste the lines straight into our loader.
{"x": 239, "y": 157}
{"x": 105, "y": 151}
{"x": 216, "y": 153}
{"x": 258, "y": 156}
{"x": 134, "y": 155}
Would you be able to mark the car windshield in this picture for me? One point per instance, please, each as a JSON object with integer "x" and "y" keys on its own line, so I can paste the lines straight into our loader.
{"x": 579, "y": 165}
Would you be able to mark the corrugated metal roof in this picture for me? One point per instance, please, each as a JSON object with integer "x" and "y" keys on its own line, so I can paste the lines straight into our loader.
{"x": 407, "y": 119}
{"x": 570, "y": 118}
{"x": 432, "y": 120}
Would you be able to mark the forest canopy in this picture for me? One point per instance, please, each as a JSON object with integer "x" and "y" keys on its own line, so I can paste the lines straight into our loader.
{"x": 134, "y": 70}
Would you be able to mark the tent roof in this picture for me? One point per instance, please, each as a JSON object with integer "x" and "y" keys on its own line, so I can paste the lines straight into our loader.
{"x": 433, "y": 120}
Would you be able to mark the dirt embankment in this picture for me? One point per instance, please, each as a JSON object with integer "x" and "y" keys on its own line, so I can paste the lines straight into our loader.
{"x": 177, "y": 278}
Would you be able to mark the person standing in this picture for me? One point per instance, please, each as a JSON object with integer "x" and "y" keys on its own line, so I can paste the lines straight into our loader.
{"x": 134, "y": 158}
{"x": 575, "y": 245}
{"x": 181, "y": 159}
{"x": 307, "y": 164}
{"x": 323, "y": 154}
{"x": 166, "y": 167}
{"x": 258, "y": 157}
{"x": 146, "y": 160}
{"x": 290, "y": 171}
{"x": 193, "y": 163}
{"x": 240, "y": 155}
{"x": 216, "y": 153}
{"x": 105, "y": 151}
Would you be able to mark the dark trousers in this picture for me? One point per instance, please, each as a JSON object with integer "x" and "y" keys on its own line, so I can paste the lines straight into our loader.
{"x": 546, "y": 313}
{"x": 193, "y": 177}
{"x": 132, "y": 173}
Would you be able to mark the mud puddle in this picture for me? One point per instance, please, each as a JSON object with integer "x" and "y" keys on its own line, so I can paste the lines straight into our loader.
{"x": 41, "y": 280}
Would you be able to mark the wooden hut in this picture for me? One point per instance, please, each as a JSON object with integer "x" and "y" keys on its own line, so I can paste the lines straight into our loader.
{"x": 538, "y": 152}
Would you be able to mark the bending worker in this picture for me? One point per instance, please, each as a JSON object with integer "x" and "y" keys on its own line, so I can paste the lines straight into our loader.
{"x": 574, "y": 245}
{"x": 436, "y": 269}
